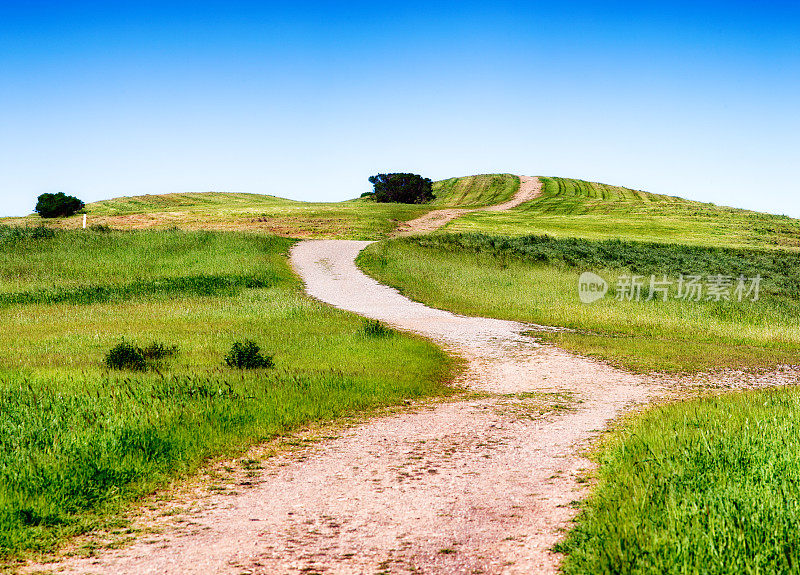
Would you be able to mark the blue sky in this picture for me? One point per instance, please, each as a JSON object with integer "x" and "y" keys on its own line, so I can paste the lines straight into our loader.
{"x": 307, "y": 99}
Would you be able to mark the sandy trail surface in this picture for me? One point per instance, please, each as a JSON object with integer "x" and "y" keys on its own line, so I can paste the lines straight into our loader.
{"x": 476, "y": 485}
{"x": 529, "y": 188}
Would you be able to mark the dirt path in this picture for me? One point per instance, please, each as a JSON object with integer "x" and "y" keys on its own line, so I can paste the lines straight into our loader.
{"x": 482, "y": 485}
{"x": 529, "y": 188}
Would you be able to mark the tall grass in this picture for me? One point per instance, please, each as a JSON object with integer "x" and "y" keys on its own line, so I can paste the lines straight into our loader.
{"x": 136, "y": 261}
{"x": 535, "y": 279}
{"x": 704, "y": 486}
{"x": 68, "y": 458}
{"x": 78, "y": 442}
{"x": 780, "y": 270}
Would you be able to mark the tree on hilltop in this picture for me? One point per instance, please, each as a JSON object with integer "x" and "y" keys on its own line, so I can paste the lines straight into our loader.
{"x": 402, "y": 188}
{"x": 57, "y": 205}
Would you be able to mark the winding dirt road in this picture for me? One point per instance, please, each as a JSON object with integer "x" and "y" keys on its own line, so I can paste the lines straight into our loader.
{"x": 477, "y": 485}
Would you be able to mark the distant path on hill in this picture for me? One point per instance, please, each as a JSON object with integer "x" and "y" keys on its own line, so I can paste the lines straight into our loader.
{"x": 529, "y": 188}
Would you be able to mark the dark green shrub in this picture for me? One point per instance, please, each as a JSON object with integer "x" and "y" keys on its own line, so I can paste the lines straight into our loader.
{"x": 100, "y": 228}
{"x": 247, "y": 355}
{"x": 402, "y": 188}
{"x": 125, "y": 355}
{"x": 57, "y": 205}
{"x": 375, "y": 328}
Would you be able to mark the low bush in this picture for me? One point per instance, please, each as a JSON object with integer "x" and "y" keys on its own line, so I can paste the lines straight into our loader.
{"x": 375, "y": 328}
{"x": 247, "y": 355}
{"x": 157, "y": 351}
{"x": 125, "y": 355}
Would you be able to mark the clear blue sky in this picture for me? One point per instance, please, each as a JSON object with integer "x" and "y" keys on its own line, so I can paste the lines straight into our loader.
{"x": 307, "y": 99}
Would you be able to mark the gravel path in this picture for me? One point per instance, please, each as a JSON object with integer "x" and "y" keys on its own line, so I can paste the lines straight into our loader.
{"x": 529, "y": 188}
{"x": 482, "y": 485}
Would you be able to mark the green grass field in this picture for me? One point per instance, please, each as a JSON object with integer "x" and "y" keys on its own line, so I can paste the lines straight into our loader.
{"x": 708, "y": 485}
{"x": 574, "y": 208}
{"x": 79, "y": 442}
{"x": 535, "y": 280}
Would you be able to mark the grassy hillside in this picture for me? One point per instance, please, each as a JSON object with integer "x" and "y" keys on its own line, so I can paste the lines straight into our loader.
{"x": 535, "y": 279}
{"x": 79, "y": 441}
{"x": 475, "y": 191}
{"x": 352, "y": 219}
{"x": 574, "y": 208}
{"x": 566, "y": 208}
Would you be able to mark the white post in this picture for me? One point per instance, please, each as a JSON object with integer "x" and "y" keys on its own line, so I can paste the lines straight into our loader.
{"x": 84, "y": 221}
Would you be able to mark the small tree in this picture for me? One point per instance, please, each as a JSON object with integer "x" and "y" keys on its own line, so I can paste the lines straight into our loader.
{"x": 57, "y": 205}
{"x": 402, "y": 188}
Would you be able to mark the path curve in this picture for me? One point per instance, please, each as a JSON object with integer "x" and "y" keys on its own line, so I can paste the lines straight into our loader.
{"x": 478, "y": 485}
{"x": 530, "y": 187}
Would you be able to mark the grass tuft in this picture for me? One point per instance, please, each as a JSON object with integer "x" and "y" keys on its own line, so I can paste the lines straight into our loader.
{"x": 247, "y": 355}
{"x": 125, "y": 355}
{"x": 376, "y": 328}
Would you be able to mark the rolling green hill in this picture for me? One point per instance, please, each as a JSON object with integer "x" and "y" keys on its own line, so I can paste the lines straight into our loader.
{"x": 575, "y": 208}
{"x": 220, "y": 211}
{"x": 475, "y": 191}
{"x": 566, "y": 208}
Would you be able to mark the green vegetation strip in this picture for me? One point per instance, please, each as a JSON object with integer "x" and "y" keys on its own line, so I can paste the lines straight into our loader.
{"x": 78, "y": 441}
{"x": 535, "y": 279}
{"x": 704, "y": 486}
{"x": 200, "y": 285}
{"x": 780, "y": 269}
